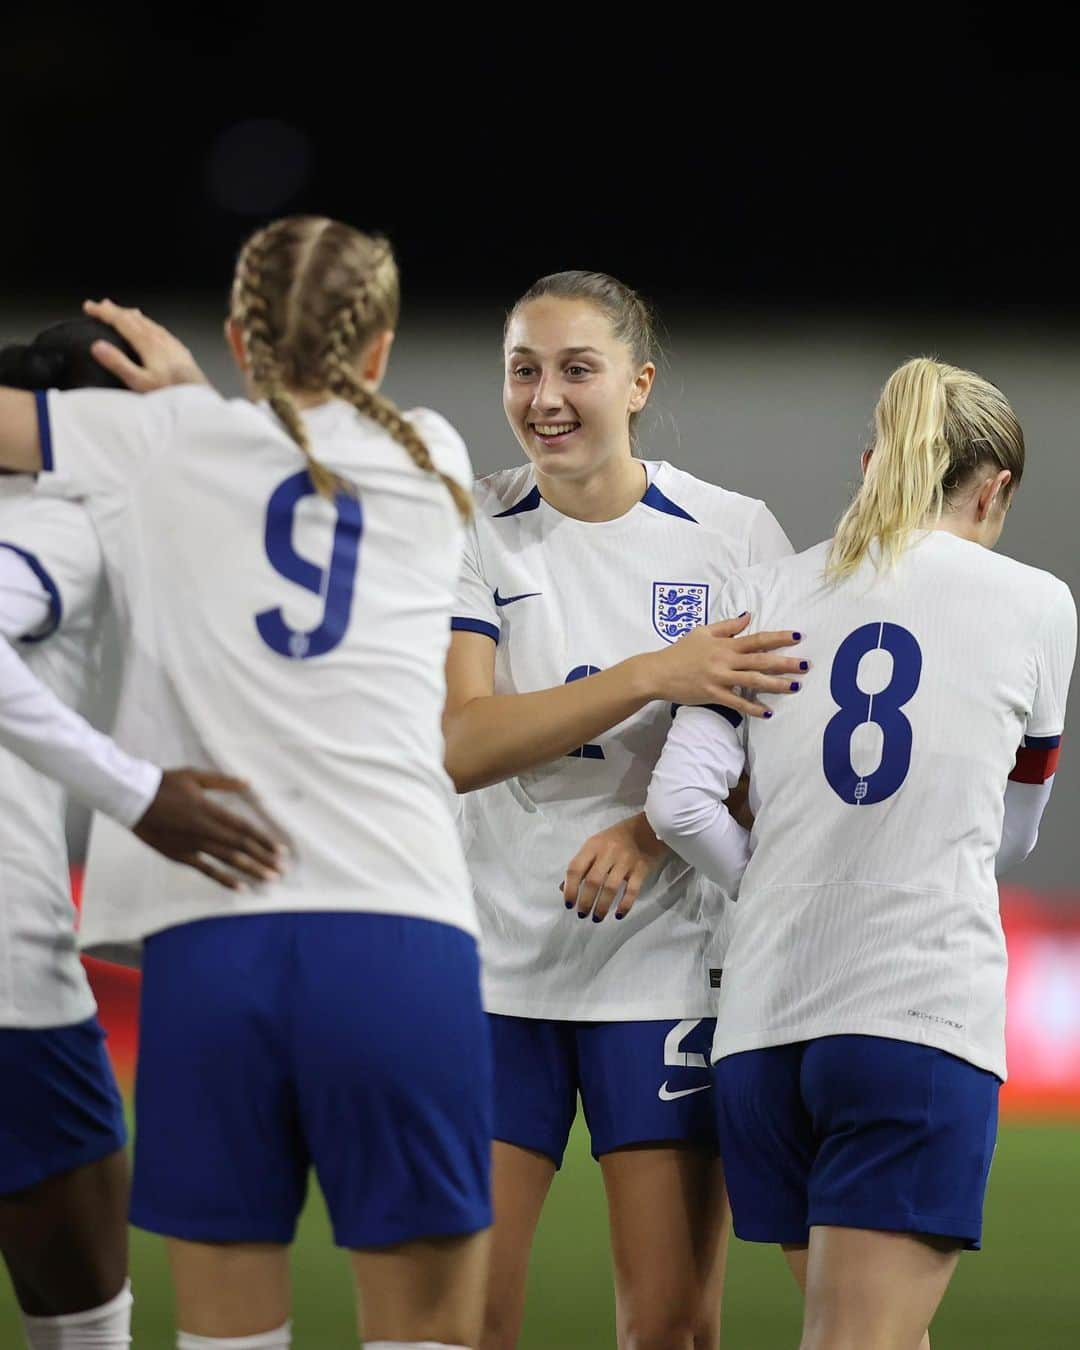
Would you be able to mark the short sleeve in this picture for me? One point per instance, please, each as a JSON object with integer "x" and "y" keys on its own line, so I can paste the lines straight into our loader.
{"x": 767, "y": 540}
{"x": 94, "y": 441}
{"x": 57, "y": 541}
{"x": 474, "y": 610}
{"x": 1054, "y": 664}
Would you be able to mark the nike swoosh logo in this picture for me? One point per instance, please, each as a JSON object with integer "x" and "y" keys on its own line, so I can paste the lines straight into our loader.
{"x": 501, "y": 600}
{"x": 667, "y": 1096}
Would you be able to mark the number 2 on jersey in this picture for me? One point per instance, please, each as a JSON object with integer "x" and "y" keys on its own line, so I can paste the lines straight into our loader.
{"x": 584, "y": 751}
{"x": 858, "y": 708}
{"x": 333, "y": 584}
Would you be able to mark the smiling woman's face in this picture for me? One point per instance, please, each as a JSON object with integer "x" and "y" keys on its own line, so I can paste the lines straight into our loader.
{"x": 570, "y": 386}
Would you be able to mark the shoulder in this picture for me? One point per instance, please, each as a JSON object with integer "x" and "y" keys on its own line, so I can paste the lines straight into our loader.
{"x": 805, "y": 568}
{"x": 448, "y": 451}
{"x": 498, "y": 494}
{"x": 708, "y": 504}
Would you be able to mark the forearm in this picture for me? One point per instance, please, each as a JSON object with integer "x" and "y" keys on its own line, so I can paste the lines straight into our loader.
{"x": 44, "y": 732}
{"x": 686, "y": 806}
{"x": 1024, "y": 807}
{"x": 703, "y": 832}
{"x": 497, "y": 736}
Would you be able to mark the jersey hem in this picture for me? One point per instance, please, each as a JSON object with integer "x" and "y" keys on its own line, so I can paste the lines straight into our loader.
{"x": 724, "y": 1046}
{"x": 603, "y": 1012}
{"x": 93, "y": 936}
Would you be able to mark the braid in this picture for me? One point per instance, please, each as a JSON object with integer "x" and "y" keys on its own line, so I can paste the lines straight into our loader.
{"x": 341, "y": 380}
{"x": 252, "y": 311}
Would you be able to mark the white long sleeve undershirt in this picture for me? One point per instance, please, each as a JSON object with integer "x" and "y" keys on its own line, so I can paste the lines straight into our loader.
{"x": 42, "y": 730}
{"x": 701, "y": 762}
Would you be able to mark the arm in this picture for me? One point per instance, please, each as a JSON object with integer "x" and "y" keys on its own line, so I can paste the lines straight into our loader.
{"x": 492, "y": 736}
{"x": 169, "y": 811}
{"x": 1032, "y": 778}
{"x": 42, "y": 730}
{"x": 701, "y": 762}
{"x": 24, "y": 436}
{"x": 1024, "y": 807}
{"x": 20, "y": 445}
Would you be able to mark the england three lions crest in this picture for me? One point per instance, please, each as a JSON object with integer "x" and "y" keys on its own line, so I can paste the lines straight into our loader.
{"x": 677, "y": 607}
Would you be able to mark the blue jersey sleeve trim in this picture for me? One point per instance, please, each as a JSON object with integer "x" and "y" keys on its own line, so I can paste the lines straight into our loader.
{"x": 729, "y": 714}
{"x": 458, "y": 625}
{"x": 655, "y": 498}
{"x": 529, "y": 502}
{"x": 41, "y": 400}
{"x": 1041, "y": 742}
{"x": 56, "y": 605}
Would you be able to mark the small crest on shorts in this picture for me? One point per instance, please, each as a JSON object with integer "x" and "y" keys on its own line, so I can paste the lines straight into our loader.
{"x": 678, "y": 606}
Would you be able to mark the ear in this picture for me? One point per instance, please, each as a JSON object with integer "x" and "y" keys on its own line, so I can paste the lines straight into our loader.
{"x": 865, "y": 458}
{"x": 642, "y": 388}
{"x": 234, "y": 337}
{"x": 993, "y": 491}
{"x": 375, "y": 357}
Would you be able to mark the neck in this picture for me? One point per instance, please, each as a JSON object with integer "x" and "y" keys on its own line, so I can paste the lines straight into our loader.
{"x": 606, "y": 494}
{"x": 963, "y": 526}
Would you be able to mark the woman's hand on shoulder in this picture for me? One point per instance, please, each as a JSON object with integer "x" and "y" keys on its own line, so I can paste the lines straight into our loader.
{"x": 165, "y": 359}
{"x": 712, "y": 662}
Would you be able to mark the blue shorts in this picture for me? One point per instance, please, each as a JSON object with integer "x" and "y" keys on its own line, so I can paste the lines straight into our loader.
{"x": 855, "y": 1132}
{"x": 60, "y": 1108}
{"x": 640, "y": 1083}
{"x": 353, "y": 1042}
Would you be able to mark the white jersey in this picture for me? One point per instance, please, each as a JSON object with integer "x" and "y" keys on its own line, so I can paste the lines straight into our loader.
{"x": 292, "y": 642}
{"x": 42, "y": 983}
{"x": 870, "y": 904}
{"x": 564, "y": 598}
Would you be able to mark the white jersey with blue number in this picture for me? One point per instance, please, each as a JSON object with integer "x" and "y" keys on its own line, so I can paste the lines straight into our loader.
{"x": 870, "y": 904}
{"x": 277, "y": 637}
{"x": 564, "y": 598}
{"x": 42, "y": 982}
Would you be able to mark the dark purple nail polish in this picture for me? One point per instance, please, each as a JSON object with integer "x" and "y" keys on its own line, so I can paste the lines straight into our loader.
{"x": 619, "y": 915}
{"x": 796, "y": 637}
{"x": 744, "y": 614}
{"x": 795, "y": 686}
{"x": 583, "y": 913}
{"x": 804, "y": 665}
{"x": 570, "y": 904}
{"x": 597, "y": 918}
{"x": 767, "y": 714}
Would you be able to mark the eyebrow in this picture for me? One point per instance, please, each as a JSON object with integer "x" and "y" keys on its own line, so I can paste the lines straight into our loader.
{"x": 566, "y": 351}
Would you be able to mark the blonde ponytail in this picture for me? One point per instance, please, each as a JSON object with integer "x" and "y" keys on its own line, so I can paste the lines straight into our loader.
{"x": 933, "y": 426}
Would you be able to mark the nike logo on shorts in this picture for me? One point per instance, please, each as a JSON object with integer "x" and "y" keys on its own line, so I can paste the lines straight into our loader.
{"x": 501, "y": 600}
{"x": 666, "y": 1095}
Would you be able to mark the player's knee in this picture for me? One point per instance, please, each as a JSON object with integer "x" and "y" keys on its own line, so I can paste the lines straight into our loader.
{"x": 666, "y": 1328}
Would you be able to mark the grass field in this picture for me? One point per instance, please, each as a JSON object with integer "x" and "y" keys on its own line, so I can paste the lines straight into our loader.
{"x": 1021, "y": 1293}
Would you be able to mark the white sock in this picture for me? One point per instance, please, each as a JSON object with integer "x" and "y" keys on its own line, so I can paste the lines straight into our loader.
{"x": 411, "y": 1345}
{"x": 278, "y": 1339}
{"x": 104, "y": 1328}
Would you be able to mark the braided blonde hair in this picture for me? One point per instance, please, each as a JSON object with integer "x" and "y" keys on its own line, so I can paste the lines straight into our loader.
{"x": 309, "y": 294}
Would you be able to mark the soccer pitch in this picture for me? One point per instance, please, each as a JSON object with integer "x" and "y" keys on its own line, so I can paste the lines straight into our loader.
{"x": 1020, "y": 1293}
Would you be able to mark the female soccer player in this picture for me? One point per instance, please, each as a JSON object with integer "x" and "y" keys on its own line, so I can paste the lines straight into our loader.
{"x": 587, "y": 582}
{"x": 860, "y": 1034}
{"x": 290, "y": 568}
{"x": 63, "y": 1173}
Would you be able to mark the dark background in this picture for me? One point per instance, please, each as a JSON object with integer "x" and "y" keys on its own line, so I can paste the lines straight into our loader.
{"x": 913, "y": 154}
